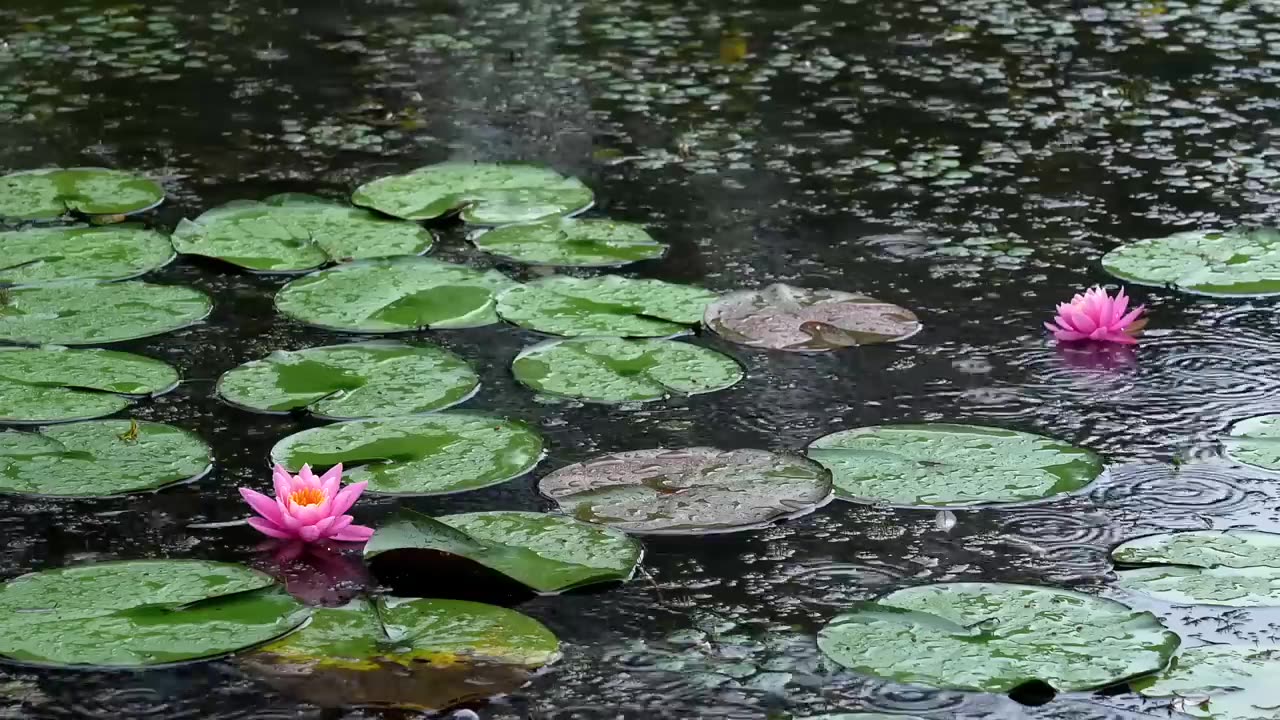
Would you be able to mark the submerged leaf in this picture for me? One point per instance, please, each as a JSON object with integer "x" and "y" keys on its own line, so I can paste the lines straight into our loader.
{"x": 782, "y": 317}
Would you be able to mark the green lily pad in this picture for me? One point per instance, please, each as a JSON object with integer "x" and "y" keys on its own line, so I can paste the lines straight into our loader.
{"x": 1256, "y": 441}
{"x": 944, "y": 465}
{"x": 994, "y": 637}
{"x": 141, "y": 612}
{"x": 95, "y": 313}
{"x": 53, "y": 192}
{"x": 358, "y": 380}
{"x": 1235, "y": 262}
{"x": 416, "y": 654}
{"x": 1219, "y": 682}
{"x": 56, "y": 384}
{"x": 565, "y": 242}
{"x": 403, "y": 294}
{"x": 1235, "y": 568}
{"x": 100, "y": 458}
{"x": 45, "y": 255}
{"x": 690, "y": 491}
{"x": 604, "y": 306}
{"x": 782, "y": 317}
{"x": 547, "y": 553}
{"x": 292, "y": 233}
{"x": 482, "y": 193}
{"x": 418, "y": 455}
{"x": 614, "y": 370}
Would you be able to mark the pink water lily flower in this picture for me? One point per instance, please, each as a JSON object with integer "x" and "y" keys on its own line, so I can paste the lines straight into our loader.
{"x": 308, "y": 508}
{"x": 1095, "y": 315}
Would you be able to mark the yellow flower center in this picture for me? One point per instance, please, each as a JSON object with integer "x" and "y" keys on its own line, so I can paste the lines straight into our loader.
{"x": 307, "y": 496}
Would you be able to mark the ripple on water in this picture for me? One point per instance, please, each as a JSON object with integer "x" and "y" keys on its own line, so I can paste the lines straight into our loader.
{"x": 1179, "y": 496}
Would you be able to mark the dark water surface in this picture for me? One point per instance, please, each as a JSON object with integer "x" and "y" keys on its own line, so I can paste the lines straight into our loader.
{"x": 970, "y": 160}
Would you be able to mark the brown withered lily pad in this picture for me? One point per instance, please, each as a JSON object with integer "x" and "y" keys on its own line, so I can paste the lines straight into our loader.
{"x": 783, "y": 317}
{"x": 689, "y": 491}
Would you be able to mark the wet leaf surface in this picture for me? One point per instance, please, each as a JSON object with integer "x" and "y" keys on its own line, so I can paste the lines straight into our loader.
{"x": 605, "y": 306}
{"x": 615, "y": 370}
{"x": 141, "y": 612}
{"x": 1236, "y": 568}
{"x": 690, "y": 491}
{"x": 96, "y": 313}
{"x": 295, "y": 233}
{"x": 566, "y": 242}
{"x": 1256, "y": 441}
{"x": 995, "y": 637}
{"x": 1233, "y": 263}
{"x": 40, "y": 256}
{"x": 783, "y": 317}
{"x": 50, "y": 193}
{"x": 55, "y": 384}
{"x": 1219, "y": 683}
{"x": 343, "y": 382}
{"x": 427, "y": 455}
{"x": 944, "y": 465}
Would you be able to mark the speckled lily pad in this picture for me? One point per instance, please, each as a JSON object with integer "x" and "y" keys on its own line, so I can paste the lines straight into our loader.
{"x": 1219, "y": 682}
{"x": 1234, "y": 262}
{"x": 1256, "y": 441}
{"x": 566, "y": 242}
{"x": 483, "y": 193}
{"x": 604, "y": 306}
{"x": 47, "y": 255}
{"x": 782, "y": 317}
{"x": 95, "y": 313}
{"x": 57, "y": 384}
{"x": 50, "y": 193}
{"x": 1234, "y": 568}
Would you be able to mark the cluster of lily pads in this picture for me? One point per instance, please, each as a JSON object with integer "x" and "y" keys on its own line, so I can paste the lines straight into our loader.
{"x": 615, "y": 341}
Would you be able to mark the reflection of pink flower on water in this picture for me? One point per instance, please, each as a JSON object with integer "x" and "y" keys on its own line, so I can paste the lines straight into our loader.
{"x": 308, "y": 508}
{"x": 1095, "y": 356}
{"x": 315, "y": 573}
{"x": 1095, "y": 315}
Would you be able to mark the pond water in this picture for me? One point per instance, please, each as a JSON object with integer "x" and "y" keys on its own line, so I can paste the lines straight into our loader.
{"x": 970, "y": 160}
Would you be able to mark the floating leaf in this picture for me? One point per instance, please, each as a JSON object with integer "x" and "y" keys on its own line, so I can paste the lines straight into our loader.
{"x": 614, "y": 370}
{"x": 547, "y": 553}
{"x": 55, "y": 384}
{"x": 1219, "y": 682}
{"x": 691, "y": 491}
{"x": 424, "y": 455}
{"x": 994, "y": 637}
{"x": 604, "y": 306}
{"x": 416, "y": 654}
{"x": 566, "y": 242}
{"x": 1236, "y": 262}
{"x": 484, "y": 193}
{"x": 1236, "y": 568}
{"x": 1256, "y": 441}
{"x": 943, "y": 465}
{"x": 141, "y": 612}
{"x": 99, "y": 458}
{"x": 342, "y": 382}
{"x": 291, "y": 233}
{"x": 94, "y": 313}
{"x": 51, "y": 193}
{"x": 782, "y": 317}
{"x": 403, "y": 294}
{"x": 44, "y": 255}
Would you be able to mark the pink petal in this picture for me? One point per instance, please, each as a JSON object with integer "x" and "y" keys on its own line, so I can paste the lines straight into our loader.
{"x": 268, "y": 529}
{"x": 309, "y": 533}
{"x": 347, "y": 497}
{"x": 325, "y": 526}
{"x": 331, "y": 481}
{"x": 339, "y": 524}
{"x": 1082, "y": 322}
{"x": 1070, "y": 335}
{"x": 1127, "y": 320}
{"x": 309, "y": 514}
{"x": 263, "y": 505}
{"x": 354, "y": 533}
{"x": 282, "y": 480}
{"x": 308, "y": 478}
{"x": 287, "y": 520}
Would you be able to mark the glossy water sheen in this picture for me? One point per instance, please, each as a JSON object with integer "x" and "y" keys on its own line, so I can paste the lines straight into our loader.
{"x": 970, "y": 161}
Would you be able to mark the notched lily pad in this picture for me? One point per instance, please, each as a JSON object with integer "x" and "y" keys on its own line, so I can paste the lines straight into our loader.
{"x": 56, "y": 384}
{"x": 615, "y": 370}
{"x": 38, "y": 256}
{"x": 1219, "y": 682}
{"x": 1235, "y": 568}
{"x": 782, "y": 317}
{"x": 1235, "y": 262}
{"x": 100, "y": 458}
{"x": 295, "y": 233}
{"x": 95, "y": 313}
{"x": 606, "y": 306}
{"x": 404, "y": 294}
{"x": 482, "y": 193}
{"x": 141, "y": 613}
{"x": 565, "y": 242}
{"x": 358, "y": 380}
{"x": 690, "y": 491}
{"x": 545, "y": 553}
{"x": 995, "y": 637}
{"x": 50, "y": 193}
{"x": 418, "y": 455}
{"x": 1256, "y": 441}
{"x": 944, "y": 465}
{"x": 414, "y": 654}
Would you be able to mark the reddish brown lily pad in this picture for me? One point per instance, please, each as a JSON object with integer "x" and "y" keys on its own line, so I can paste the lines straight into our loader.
{"x": 783, "y": 317}
{"x": 689, "y": 491}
